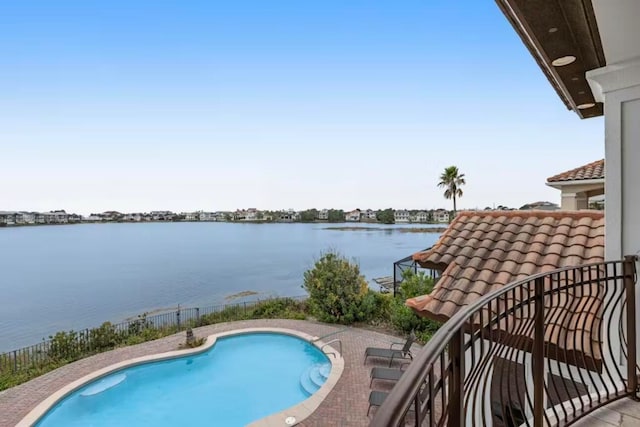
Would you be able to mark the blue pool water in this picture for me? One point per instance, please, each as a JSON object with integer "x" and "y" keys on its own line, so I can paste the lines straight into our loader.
{"x": 242, "y": 378}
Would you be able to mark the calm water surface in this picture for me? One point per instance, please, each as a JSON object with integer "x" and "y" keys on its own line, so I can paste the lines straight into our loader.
{"x": 55, "y": 278}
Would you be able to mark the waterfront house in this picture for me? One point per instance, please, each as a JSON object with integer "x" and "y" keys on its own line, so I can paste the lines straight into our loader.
{"x": 578, "y": 185}
{"x": 133, "y": 217}
{"x": 441, "y": 216}
{"x": 56, "y": 217}
{"x": 206, "y": 216}
{"x": 422, "y": 216}
{"x": 74, "y": 218}
{"x": 7, "y": 218}
{"x": 93, "y": 218}
{"x": 251, "y": 214}
{"x": 25, "y": 218}
{"x": 162, "y": 215}
{"x": 111, "y": 216}
{"x": 369, "y": 215}
{"x": 402, "y": 216}
{"x": 191, "y": 216}
{"x": 323, "y": 215}
{"x": 353, "y": 216}
{"x": 222, "y": 216}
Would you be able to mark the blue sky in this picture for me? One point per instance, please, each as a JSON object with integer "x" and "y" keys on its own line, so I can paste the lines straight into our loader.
{"x": 213, "y": 105}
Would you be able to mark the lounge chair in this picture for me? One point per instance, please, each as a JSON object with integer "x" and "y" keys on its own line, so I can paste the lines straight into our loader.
{"x": 387, "y": 374}
{"x": 375, "y": 399}
{"x": 391, "y": 353}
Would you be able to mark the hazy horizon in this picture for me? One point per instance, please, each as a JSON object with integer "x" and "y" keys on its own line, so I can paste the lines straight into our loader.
{"x": 140, "y": 106}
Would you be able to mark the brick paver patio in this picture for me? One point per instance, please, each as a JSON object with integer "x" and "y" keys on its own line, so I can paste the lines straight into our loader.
{"x": 345, "y": 406}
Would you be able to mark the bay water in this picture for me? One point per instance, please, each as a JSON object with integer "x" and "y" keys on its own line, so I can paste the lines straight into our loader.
{"x": 58, "y": 278}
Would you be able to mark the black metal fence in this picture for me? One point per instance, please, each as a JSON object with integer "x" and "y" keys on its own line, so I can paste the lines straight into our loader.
{"x": 73, "y": 345}
{"x": 546, "y": 350}
{"x": 407, "y": 264}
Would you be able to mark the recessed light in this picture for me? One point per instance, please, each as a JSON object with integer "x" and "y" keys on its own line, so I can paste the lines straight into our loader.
{"x": 581, "y": 92}
{"x": 563, "y": 60}
{"x": 575, "y": 79}
{"x": 586, "y": 105}
{"x": 553, "y": 29}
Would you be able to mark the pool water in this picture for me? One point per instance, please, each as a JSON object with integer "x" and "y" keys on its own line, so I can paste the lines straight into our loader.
{"x": 242, "y": 378}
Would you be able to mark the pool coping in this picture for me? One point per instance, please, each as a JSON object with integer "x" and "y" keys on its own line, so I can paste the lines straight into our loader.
{"x": 296, "y": 413}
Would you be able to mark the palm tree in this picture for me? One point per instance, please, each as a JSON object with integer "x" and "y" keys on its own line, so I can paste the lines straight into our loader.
{"x": 451, "y": 180}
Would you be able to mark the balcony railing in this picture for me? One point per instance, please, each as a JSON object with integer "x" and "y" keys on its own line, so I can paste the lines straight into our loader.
{"x": 546, "y": 350}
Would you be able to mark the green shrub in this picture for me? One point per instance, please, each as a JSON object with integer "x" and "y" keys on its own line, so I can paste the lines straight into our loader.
{"x": 336, "y": 289}
{"x": 415, "y": 284}
{"x": 405, "y": 319}
{"x": 280, "y": 308}
{"x": 375, "y": 308}
{"x": 104, "y": 337}
{"x": 65, "y": 346}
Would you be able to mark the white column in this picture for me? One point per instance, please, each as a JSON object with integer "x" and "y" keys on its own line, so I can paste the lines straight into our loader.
{"x": 618, "y": 86}
{"x": 574, "y": 201}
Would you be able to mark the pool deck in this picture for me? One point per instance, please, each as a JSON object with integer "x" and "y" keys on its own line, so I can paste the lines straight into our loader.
{"x": 346, "y": 405}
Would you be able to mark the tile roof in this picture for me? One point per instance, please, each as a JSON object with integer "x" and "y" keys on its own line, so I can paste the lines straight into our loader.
{"x": 594, "y": 170}
{"x": 481, "y": 252}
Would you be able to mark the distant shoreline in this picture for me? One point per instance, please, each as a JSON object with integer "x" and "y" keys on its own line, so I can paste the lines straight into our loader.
{"x": 400, "y": 229}
{"x": 343, "y": 228}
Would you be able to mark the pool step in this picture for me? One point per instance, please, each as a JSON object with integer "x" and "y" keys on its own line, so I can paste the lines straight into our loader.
{"x": 104, "y": 385}
{"x": 312, "y": 379}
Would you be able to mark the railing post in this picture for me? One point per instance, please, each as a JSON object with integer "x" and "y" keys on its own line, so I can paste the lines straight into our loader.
{"x": 197, "y": 316}
{"x": 629, "y": 271}
{"x": 538, "y": 354}
{"x": 178, "y": 318}
{"x": 456, "y": 415}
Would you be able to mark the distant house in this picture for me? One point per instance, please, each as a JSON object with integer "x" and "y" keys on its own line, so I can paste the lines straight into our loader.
{"x": 441, "y": 216}
{"x": 111, "y": 216}
{"x": 191, "y": 216}
{"x": 91, "y": 218}
{"x": 162, "y": 215}
{"x": 402, "y": 216}
{"x": 222, "y": 216}
{"x": 25, "y": 218}
{"x": 422, "y": 216}
{"x": 7, "y": 218}
{"x": 56, "y": 217}
{"x": 369, "y": 215}
{"x": 323, "y": 215}
{"x": 74, "y": 218}
{"x": 353, "y": 216}
{"x": 251, "y": 214}
{"x": 133, "y": 217}
{"x": 287, "y": 216}
{"x": 540, "y": 206}
{"x": 206, "y": 216}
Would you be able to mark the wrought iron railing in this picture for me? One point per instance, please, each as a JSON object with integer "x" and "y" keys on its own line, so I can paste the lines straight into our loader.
{"x": 73, "y": 345}
{"x": 545, "y": 350}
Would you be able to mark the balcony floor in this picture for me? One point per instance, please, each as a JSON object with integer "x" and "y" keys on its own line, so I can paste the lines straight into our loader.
{"x": 623, "y": 413}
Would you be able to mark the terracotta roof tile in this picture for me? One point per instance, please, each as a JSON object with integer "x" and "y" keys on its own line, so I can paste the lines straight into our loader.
{"x": 481, "y": 252}
{"x": 593, "y": 170}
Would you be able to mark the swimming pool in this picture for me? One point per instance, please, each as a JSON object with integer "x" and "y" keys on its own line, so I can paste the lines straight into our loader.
{"x": 241, "y": 379}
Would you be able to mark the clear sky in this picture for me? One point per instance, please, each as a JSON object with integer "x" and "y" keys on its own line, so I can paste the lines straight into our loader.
{"x": 218, "y": 105}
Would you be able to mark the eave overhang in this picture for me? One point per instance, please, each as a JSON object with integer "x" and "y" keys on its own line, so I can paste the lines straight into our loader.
{"x": 553, "y": 29}
{"x": 575, "y": 182}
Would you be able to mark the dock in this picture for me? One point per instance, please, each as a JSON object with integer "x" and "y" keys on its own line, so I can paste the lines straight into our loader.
{"x": 385, "y": 283}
